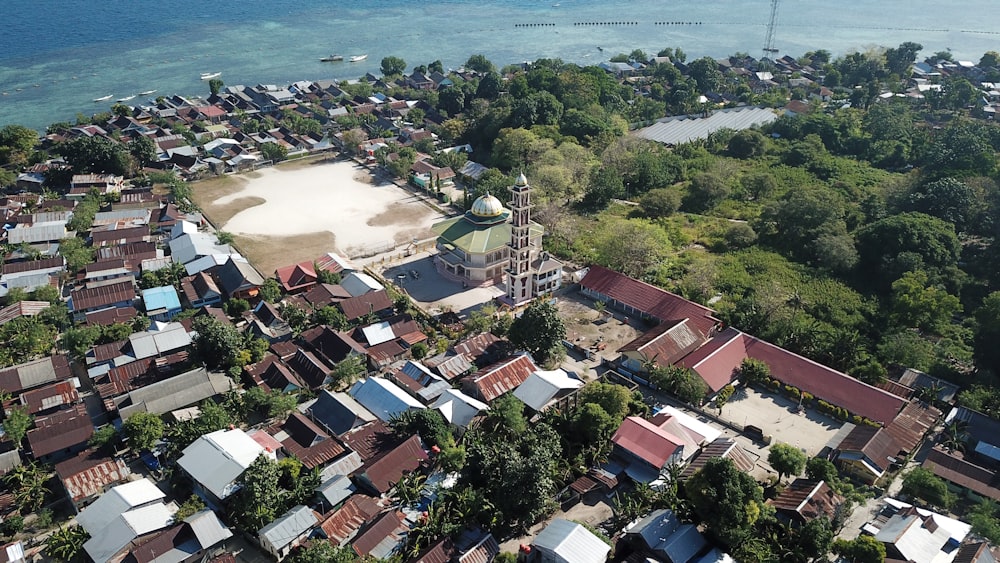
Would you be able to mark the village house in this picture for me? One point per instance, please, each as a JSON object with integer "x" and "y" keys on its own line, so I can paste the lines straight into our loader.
{"x": 563, "y": 541}
{"x": 86, "y": 476}
{"x": 121, "y": 515}
{"x": 383, "y": 398}
{"x": 338, "y": 412}
{"x": 280, "y": 537}
{"x": 804, "y": 500}
{"x": 216, "y": 460}
{"x": 105, "y": 184}
{"x": 493, "y": 381}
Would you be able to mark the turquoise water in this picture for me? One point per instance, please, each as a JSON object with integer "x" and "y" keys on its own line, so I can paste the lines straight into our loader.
{"x": 56, "y": 56}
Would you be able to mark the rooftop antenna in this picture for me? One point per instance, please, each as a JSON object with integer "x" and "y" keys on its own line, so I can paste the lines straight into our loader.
{"x": 769, "y": 49}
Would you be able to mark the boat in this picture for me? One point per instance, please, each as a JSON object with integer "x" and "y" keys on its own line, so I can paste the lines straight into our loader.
{"x": 358, "y": 58}
{"x": 210, "y": 75}
{"x": 147, "y": 92}
{"x": 332, "y": 58}
{"x": 126, "y": 98}
{"x": 104, "y": 98}
{"x": 599, "y": 48}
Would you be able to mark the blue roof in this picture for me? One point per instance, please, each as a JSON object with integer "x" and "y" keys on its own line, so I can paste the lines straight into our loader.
{"x": 161, "y": 298}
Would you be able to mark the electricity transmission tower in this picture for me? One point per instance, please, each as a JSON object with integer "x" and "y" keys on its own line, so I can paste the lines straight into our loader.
{"x": 769, "y": 49}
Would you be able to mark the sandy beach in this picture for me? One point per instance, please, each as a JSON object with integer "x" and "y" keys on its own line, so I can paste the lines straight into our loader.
{"x": 298, "y": 211}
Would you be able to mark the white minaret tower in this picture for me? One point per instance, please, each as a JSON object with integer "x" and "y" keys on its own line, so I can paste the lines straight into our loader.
{"x": 519, "y": 286}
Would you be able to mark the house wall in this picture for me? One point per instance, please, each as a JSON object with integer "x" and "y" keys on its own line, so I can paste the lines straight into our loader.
{"x": 858, "y": 469}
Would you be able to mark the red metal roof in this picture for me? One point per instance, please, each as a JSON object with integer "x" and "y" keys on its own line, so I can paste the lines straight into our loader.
{"x": 499, "y": 378}
{"x": 667, "y": 343}
{"x": 404, "y": 458}
{"x": 390, "y": 526}
{"x": 296, "y": 277}
{"x": 372, "y": 440}
{"x": 806, "y": 500}
{"x": 89, "y": 473}
{"x": 718, "y": 359}
{"x": 343, "y": 523}
{"x": 50, "y": 396}
{"x": 306, "y": 441}
{"x": 650, "y": 300}
{"x": 646, "y": 441}
{"x": 825, "y": 383}
{"x": 104, "y": 295}
{"x": 33, "y": 265}
{"x": 952, "y": 467}
{"x": 111, "y": 316}
{"x": 362, "y": 305}
{"x": 59, "y": 431}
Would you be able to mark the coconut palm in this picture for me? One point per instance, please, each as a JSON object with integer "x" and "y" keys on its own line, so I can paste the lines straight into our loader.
{"x": 66, "y": 544}
{"x": 954, "y": 436}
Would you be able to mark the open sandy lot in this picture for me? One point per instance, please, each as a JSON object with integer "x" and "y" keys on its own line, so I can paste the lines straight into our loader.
{"x": 779, "y": 417}
{"x": 298, "y": 211}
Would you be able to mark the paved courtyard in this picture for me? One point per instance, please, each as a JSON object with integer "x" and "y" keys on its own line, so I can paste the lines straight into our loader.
{"x": 778, "y": 416}
{"x": 431, "y": 290}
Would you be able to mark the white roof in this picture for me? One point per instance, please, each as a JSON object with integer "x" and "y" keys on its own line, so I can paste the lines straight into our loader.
{"x": 685, "y": 128}
{"x": 159, "y": 339}
{"x": 124, "y": 528}
{"x": 292, "y": 524}
{"x": 359, "y": 283}
{"x": 190, "y": 246}
{"x": 542, "y": 386}
{"x": 692, "y": 424}
{"x": 116, "y": 501}
{"x": 383, "y": 398}
{"x": 205, "y": 262}
{"x": 458, "y": 408}
{"x": 182, "y": 227}
{"x": 378, "y": 333}
{"x": 570, "y": 542}
{"x": 218, "y": 459}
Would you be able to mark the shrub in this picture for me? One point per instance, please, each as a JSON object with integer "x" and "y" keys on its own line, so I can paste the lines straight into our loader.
{"x": 807, "y": 397}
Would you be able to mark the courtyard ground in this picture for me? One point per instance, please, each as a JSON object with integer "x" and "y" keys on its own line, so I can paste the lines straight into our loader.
{"x": 299, "y": 210}
{"x": 780, "y": 417}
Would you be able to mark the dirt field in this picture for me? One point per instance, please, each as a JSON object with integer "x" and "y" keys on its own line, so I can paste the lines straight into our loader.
{"x": 584, "y": 329}
{"x": 300, "y": 210}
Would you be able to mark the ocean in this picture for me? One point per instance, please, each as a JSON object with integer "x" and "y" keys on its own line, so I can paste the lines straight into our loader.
{"x": 56, "y": 56}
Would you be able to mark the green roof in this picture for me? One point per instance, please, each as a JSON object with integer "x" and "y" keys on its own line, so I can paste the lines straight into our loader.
{"x": 478, "y": 239}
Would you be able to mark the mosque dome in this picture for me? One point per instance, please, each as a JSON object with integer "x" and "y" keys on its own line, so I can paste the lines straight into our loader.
{"x": 487, "y": 206}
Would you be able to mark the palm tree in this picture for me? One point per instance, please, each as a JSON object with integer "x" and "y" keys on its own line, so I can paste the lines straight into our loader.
{"x": 410, "y": 487}
{"x": 66, "y": 544}
{"x": 28, "y": 484}
{"x": 954, "y": 436}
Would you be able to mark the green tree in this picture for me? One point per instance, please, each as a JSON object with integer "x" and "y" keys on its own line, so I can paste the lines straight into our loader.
{"x": 347, "y": 371}
{"x": 430, "y": 424}
{"x": 17, "y": 142}
{"x": 217, "y": 344}
{"x": 863, "y": 549}
{"x": 748, "y": 143}
{"x": 821, "y": 469}
{"x": 815, "y": 538}
{"x": 723, "y": 396}
{"x": 392, "y": 66}
{"x": 215, "y": 86}
{"x": 923, "y": 484}
{"x": 103, "y": 438}
{"x": 191, "y": 506}
{"x": 538, "y": 330}
{"x": 915, "y": 304}
{"x": 143, "y": 430}
{"x": 490, "y": 87}
{"x": 260, "y": 499}
{"x": 66, "y": 544}
{"x": 27, "y": 482}
{"x": 985, "y": 520}
{"x": 480, "y": 63}
{"x": 707, "y": 190}
{"x": 661, "y": 202}
{"x": 631, "y": 246}
{"x": 786, "y": 460}
{"x": 909, "y": 241}
{"x": 76, "y": 252}
{"x": 324, "y": 552}
{"x": 727, "y": 500}
{"x": 143, "y": 150}
{"x": 96, "y": 154}
{"x": 987, "y": 333}
{"x": 899, "y": 59}
{"x": 274, "y": 152}
{"x": 753, "y": 372}
{"x": 419, "y": 351}
{"x": 947, "y": 199}
{"x": 17, "y": 423}
{"x": 330, "y": 316}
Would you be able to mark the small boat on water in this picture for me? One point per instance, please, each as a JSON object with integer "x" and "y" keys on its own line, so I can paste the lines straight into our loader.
{"x": 210, "y": 75}
{"x": 332, "y": 58}
{"x": 358, "y": 58}
{"x": 126, "y": 98}
{"x": 599, "y": 48}
{"x": 104, "y": 98}
{"x": 147, "y": 92}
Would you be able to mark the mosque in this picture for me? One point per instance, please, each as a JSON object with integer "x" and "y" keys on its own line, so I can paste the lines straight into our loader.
{"x": 491, "y": 244}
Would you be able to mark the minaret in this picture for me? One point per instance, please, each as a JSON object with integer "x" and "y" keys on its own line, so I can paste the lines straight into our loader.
{"x": 519, "y": 287}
